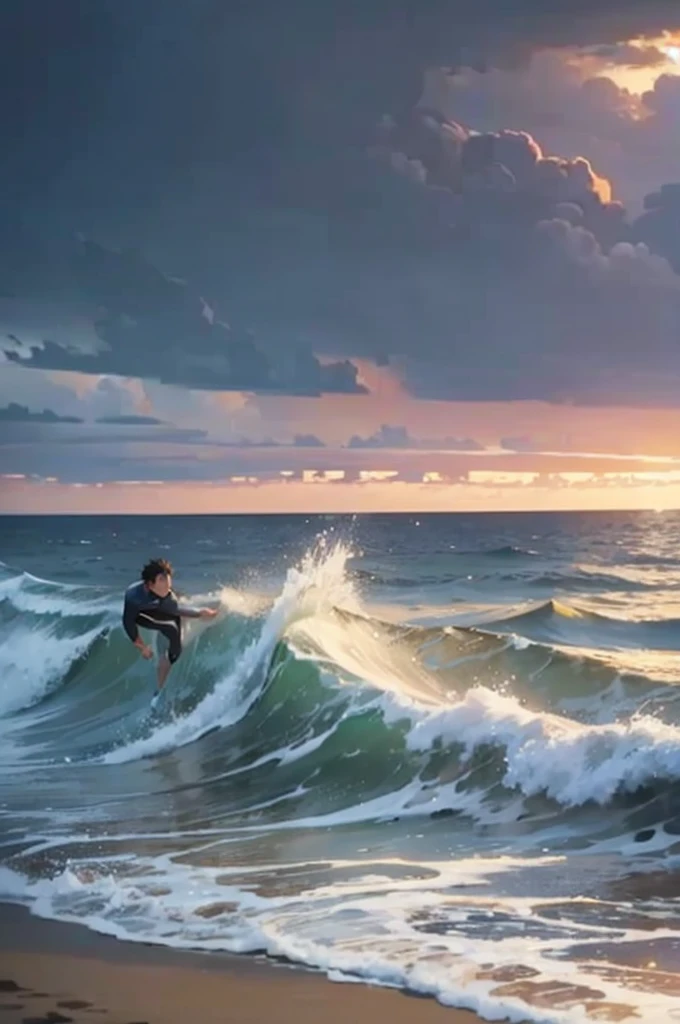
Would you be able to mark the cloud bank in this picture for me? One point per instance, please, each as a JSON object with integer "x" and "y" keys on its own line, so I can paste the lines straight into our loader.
{"x": 153, "y": 326}
{"x": 15, "y": 413}
{"x": 326, "y": 205}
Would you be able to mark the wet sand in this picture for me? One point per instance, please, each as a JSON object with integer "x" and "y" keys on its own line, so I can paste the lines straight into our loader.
{"x": 56, "y": 973}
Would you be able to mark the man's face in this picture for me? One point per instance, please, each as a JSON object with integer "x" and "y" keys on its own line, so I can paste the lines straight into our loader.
{"x": 162, "y": 585}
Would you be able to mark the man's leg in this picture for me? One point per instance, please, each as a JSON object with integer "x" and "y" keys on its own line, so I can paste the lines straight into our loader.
{"x": 168, "y": 645}
{"x": 169, "y": 650}
{"x": 162, "y": 671}
{"x": 163, "y": 668}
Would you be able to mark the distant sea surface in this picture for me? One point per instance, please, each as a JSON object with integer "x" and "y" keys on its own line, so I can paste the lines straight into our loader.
{"x": 433, "y": 752}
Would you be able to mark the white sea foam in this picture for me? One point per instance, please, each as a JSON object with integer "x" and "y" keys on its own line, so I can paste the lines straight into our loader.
{"x": 420, "y": 931}
{"x": 41, "y": 597}
{"x": 33, "y": 660}
{"x": 546, "y": 753}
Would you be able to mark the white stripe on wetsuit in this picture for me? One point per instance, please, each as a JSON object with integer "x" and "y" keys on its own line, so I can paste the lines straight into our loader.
{"x": 157, "y": 622}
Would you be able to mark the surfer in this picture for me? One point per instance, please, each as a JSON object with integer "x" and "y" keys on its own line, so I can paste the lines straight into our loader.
{"x": 151, "y": 603}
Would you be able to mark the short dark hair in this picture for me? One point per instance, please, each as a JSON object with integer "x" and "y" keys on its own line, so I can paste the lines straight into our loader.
{"x": 156, "y": 567}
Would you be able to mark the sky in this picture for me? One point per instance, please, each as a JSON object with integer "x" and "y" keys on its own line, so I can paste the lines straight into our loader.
{"x": 339, "y": 257}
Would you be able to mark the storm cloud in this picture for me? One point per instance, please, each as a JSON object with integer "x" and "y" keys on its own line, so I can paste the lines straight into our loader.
{"x": 155, "y": 327}
{"x": 130, "y": 421}
{"x": 280, "y": 161}
{"x": 519, "y": 276}
{"x": 659, "y": 225}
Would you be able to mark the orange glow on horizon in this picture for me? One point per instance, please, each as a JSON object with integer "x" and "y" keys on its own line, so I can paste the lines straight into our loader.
{"x": 486, "y": 493}
{"x": 550, "y": 426}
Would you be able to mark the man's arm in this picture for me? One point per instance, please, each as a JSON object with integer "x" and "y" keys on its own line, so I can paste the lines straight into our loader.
{"x": 185, "y": 611}
{"x": 172, "y": 606}
{"x": 129, "y": 624}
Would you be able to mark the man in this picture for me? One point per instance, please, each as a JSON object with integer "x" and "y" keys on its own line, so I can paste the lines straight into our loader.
{"x": 151, "y": 604}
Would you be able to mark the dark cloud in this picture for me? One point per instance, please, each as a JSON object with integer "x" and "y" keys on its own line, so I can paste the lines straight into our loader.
{"x": 659, "y": 225}
{"x": 170, "y": 85}
{"x": 519, "y": 444}
{"x": 14, "y": 413}
{"x": 489, "y": 269}
{"x": 153, "y": 326}
{"x": 663, "y": 98}
{"x": 519, "y": 277}
{"x": 308, "y": 441}
{"x": 571, "y": 104}
{"x": 231, "y": 146}
{"x": 299, "y": 441}
{"x": 629, "y": 55}
{"x": 130, "y": 421}
{"x": 399, "y": 437}
{"x": 68, "y": 433}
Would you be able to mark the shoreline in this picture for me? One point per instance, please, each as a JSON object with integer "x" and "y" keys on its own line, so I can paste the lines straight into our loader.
{"x": 55, "y": 972}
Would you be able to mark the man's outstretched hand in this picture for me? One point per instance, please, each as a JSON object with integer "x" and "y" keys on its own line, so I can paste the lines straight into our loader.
{"x": 208, "y": 613}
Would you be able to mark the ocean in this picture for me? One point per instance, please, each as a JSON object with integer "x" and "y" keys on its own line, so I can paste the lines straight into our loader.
{"x": 435, "y": 752}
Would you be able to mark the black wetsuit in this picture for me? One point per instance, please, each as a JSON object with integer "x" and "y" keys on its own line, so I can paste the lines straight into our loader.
{"x": 144, "y": 608}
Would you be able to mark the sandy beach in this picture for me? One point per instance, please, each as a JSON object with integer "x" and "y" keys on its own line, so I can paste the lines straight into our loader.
{"x": 54, "y": 973}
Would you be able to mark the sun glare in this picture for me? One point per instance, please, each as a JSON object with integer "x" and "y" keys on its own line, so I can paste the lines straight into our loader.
{"x": 673, "y": 52}
{"x": 640, "y": 77}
